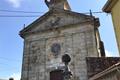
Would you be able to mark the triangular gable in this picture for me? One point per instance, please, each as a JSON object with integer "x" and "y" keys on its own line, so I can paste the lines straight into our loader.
{"x": 55, "y": 19}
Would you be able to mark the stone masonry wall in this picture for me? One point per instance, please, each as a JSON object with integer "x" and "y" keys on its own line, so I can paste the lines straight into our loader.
{"x": 78, "y": 41}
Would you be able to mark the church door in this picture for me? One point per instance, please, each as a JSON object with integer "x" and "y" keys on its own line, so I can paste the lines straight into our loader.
{"x": 56, "y": 75}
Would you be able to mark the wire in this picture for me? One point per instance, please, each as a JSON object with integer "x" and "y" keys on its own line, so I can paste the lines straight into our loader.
{"x": 10, "y": 69}
{"x": 94, "y": 12}
{"x": 7, "y": 64}
{"x": 41, "y": 12}
{"x": 3, "y": 79}
{"x": 7, "y": 67}
{"x": 98, "y": 12}
{"x": 19, "y": 11}
{"x": 14, "y": 60}
{"x": 19, "y": 15}
{"x": 39, "y": 15}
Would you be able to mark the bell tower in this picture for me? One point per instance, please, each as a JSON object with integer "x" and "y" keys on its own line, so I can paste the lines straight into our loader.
{"x": 57, "y": 4}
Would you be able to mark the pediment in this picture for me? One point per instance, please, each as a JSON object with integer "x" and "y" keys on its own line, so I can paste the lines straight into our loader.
{"x": 55, "y": 19}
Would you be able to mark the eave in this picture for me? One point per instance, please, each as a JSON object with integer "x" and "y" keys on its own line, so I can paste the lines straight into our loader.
{"x": 109, "y": 5}
{"x": 113, "y": 68}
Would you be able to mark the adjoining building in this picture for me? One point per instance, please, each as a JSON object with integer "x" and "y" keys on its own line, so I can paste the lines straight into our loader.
{"x": 111, "y": 73}
{"x": 113, "y": 7}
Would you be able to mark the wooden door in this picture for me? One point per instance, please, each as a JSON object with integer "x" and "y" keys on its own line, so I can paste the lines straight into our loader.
{"x": 56, "y": 75}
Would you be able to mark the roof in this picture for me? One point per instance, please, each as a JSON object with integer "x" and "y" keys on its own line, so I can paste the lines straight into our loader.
{"x": 98, "y": 64}
{"x": 109, "y": 5}
{"x": 115, "y": 67}
{"x": 49, "y": 13}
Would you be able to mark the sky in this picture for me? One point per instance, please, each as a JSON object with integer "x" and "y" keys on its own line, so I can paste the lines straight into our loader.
{"x": 11, "y": 44}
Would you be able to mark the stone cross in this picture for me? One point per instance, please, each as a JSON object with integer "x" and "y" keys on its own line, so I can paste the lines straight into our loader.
{"x": 66, "y": 73}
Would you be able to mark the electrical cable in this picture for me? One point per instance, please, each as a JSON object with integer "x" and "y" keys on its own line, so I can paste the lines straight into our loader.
{"x": 13, "y": 60}
{"x": 19, "y": 15}
{"x": 3, "y": 79}
{"x": 10, "y": 69}
{"x": 15, "y": 11}
{"x": 19, "y": 11}
{"x": 5, "y": 64}
{"x": 41, "y": 12}
{"x": 39, "y": 15}
{"x": 99, "y": 12}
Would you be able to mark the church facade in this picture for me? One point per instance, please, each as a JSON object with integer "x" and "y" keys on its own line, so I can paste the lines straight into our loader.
{"x": 60, "y": 31}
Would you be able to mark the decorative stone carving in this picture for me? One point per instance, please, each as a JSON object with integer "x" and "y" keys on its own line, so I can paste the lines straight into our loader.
{"x": 55, "y": 49}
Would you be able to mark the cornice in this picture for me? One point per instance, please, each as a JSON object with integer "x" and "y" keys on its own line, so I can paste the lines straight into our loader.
{"x": 109, "y": 5}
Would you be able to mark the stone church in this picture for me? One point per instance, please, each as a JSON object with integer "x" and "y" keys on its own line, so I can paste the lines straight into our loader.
{"x": 61, "y": 31}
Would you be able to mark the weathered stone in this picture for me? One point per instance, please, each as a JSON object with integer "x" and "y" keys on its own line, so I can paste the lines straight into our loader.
{"x": 75, "y": 34}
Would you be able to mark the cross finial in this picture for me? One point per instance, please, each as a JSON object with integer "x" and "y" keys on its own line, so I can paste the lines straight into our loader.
{"x": 57, "y": 4}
